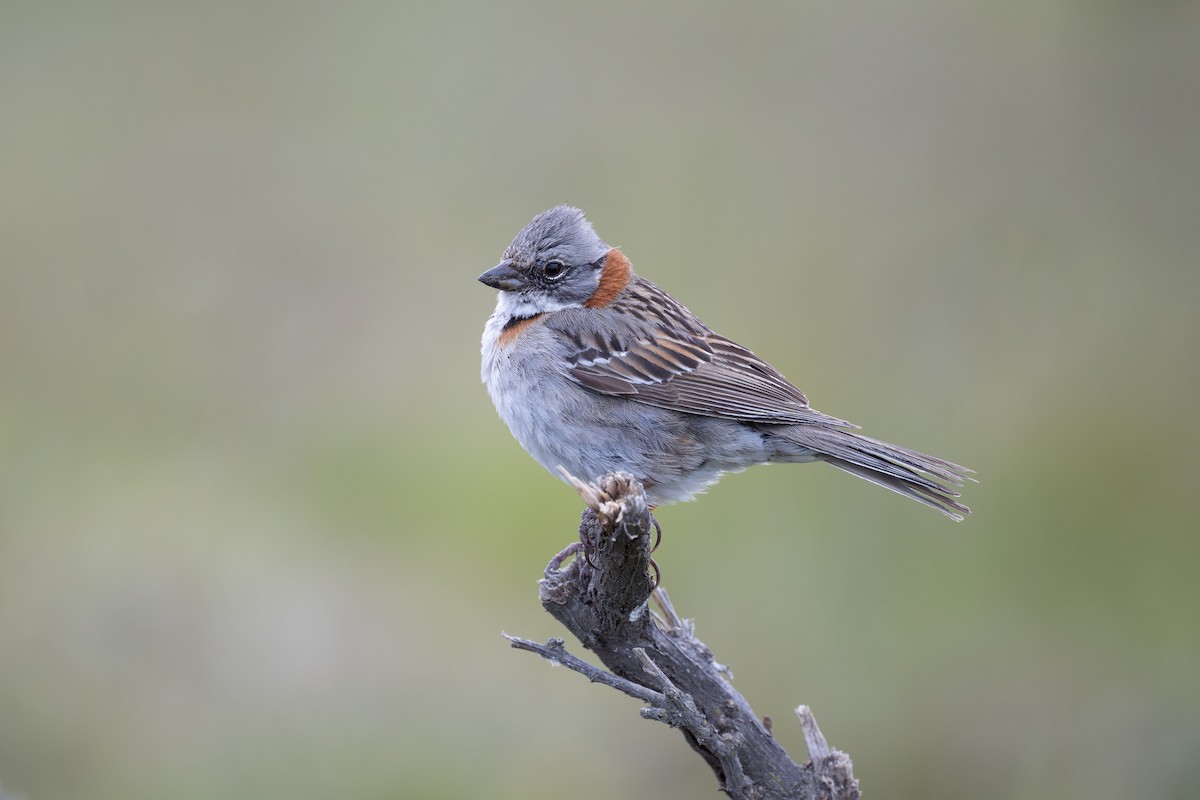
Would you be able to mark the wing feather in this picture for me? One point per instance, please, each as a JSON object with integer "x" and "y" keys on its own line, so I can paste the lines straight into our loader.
{"x": 672, "y": 360}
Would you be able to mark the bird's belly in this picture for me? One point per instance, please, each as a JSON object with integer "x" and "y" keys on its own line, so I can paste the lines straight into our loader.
{"x": 559, "y": 423}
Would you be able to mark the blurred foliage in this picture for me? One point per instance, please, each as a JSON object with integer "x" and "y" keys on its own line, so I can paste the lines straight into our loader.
{"x": 260, "y": 528}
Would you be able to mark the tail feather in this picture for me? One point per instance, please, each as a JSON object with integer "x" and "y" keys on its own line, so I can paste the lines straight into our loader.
{"x": 926, "y": 479}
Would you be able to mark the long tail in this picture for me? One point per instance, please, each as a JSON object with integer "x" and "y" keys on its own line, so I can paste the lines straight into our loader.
{"x": 926, "y": 479}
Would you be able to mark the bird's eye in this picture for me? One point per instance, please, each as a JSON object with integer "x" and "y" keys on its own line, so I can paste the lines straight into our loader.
{"x": 554, "y": 270}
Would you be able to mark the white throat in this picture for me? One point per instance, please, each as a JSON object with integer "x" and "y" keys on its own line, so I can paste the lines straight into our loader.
{"x": 512, "y": 304}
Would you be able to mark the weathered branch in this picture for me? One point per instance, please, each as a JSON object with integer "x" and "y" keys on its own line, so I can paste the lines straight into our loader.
{"x": 601, "y": 597}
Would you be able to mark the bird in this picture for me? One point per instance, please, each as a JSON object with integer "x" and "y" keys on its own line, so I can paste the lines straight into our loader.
{"x": 595, "y": 369}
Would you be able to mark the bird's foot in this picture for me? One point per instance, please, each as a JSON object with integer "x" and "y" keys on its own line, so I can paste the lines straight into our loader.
{"x": 657, "y": 531}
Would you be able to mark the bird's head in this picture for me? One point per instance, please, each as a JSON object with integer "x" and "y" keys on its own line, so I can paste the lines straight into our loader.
{"x": 555, "y": 262}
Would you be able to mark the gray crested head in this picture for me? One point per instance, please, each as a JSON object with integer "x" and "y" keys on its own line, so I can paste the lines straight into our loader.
{"x": 554, "y": 262}
{"x": 562, "y": 233}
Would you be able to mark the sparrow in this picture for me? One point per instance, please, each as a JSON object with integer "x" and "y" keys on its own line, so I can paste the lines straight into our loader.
{"x": 596, "y": 369}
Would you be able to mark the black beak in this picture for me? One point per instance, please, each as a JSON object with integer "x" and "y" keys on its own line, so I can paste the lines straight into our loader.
{"x": 503, "y": 277}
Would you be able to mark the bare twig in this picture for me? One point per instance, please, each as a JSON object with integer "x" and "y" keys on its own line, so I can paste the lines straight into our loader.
{"x": 818, "y": 748}
{"x": 679, "y": 711}
{"x": 601, "y": 598}
{"x": 554, "y": 652}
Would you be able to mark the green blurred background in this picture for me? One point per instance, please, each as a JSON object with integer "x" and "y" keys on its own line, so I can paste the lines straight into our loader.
{"x": 260, "y": 528}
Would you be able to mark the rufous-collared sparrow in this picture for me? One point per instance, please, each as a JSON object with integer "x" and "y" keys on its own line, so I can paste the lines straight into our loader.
{"x": 596, "y": 369}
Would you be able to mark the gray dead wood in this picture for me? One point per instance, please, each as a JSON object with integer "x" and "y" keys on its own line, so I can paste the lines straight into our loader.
{"x": 602, "y": 600}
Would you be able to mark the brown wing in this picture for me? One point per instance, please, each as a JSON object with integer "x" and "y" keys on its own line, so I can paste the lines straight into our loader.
{"x": 674, "y": 361}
